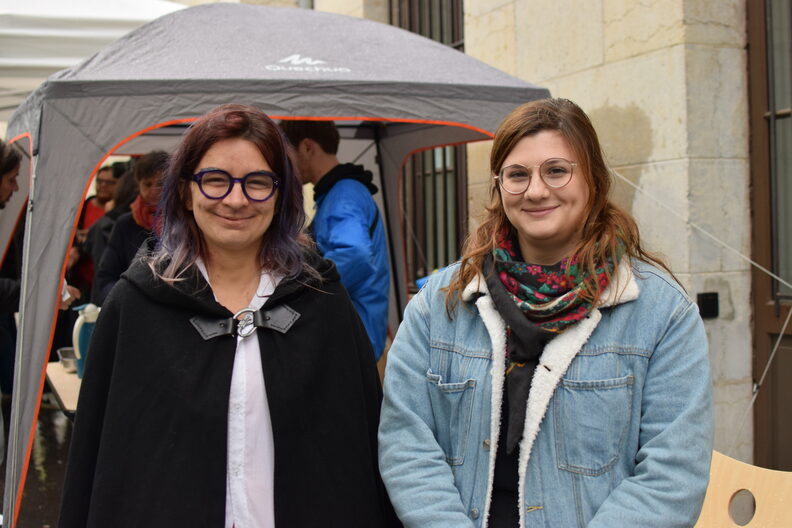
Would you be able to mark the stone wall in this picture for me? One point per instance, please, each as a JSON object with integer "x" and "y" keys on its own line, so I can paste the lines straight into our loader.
{"x": 272, "y": 3}
{"x": 370, "y": 9}
{"x": 665, "y": 85}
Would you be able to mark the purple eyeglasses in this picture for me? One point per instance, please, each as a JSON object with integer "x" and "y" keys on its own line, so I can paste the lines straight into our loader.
{"x": 216, "y": 184}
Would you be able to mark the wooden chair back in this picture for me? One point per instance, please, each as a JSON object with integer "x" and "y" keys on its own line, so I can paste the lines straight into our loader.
{"x": 772, "y": 491}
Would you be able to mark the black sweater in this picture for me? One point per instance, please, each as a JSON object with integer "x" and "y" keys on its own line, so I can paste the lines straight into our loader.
{"x": 149, "y": 442}
{"x": 125, "y": 240}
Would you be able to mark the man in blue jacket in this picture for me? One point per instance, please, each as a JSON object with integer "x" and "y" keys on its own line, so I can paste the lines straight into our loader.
{"x": 347, "y": 226}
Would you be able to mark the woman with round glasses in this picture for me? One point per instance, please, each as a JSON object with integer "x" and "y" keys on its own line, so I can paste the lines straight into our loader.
{"x": 230, "y": 382}
{"x": 557, "y": 375}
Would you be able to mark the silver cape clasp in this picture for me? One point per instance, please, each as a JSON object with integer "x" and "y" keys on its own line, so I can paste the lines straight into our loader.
{"x": 244, "y": 322}
{"x": 245, "y": 326}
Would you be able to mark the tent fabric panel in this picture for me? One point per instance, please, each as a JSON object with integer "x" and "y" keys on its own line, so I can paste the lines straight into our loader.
{"x": 396, "y": 144}
{"x": 59, "y": 184}
{"x": 25, "y": 119}
{"x": 362, "y": 150}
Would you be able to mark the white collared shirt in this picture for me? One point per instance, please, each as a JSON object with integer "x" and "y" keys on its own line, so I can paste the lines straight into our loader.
{"x": 251, "y": 451}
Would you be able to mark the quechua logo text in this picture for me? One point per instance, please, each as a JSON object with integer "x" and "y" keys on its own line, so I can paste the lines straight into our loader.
{"x": 297, "y": 63}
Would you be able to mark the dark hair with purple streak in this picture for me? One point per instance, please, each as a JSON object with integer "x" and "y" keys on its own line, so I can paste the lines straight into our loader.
{"x": 181, "y": 242}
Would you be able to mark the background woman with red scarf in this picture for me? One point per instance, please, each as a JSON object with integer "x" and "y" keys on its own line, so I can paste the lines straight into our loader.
{"x": 558, "y": 375}
{"x": 134, "y": 228}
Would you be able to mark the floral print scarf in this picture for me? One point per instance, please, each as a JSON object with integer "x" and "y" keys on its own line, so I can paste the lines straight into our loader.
{"x": 549, "y": 296}
{"x": 536, "y": 303}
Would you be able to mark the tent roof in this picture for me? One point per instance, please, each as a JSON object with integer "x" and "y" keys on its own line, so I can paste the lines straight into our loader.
{"x": 286, "y": 54}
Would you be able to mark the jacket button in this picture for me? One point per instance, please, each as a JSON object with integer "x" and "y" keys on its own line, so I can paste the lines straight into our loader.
{"x": 474, "y": 513}
{"x": 486, "y": 444}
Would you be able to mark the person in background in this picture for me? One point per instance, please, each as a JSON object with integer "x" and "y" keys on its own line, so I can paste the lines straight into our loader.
{"x": 557, "y": 375}
{"x": 99, "y": 234}
{"x": 10, "y": 161}
{"x": 81, "y": 266}
{"x": 10, "y": 277}
{"x": 229, "y": 382}
{"x": 134, "y": 228}
{"x": 105, "y": 183}
{"x": 347, "y": 226}
{"x": 11, "y": 270}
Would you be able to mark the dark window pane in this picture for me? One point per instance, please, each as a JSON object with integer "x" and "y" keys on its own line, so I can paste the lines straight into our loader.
{"x": 429, "y": 211}
{"x": 780, "y": 42}
{"x": 435, "y": 21}
{"x": 440, "y": 219}
{"x": 446, "y": 14}
{"x": 424, "y": 19}
{"x": 452, "y": 240}
{"x": 783, "y": 187}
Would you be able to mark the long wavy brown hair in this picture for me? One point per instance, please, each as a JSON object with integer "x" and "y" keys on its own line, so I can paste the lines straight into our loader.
{"x": 605, "y": 227}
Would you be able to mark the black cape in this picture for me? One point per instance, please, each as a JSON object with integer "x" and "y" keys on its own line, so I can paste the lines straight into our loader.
{"x": 149, "y": 441}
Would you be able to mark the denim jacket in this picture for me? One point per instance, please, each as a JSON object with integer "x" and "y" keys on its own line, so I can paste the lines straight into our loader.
{"x": 618, "y": 430}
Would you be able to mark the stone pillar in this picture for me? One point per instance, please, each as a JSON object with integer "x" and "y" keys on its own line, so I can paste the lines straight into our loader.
{"x": 376, "y": 10}
{"x": 490, "y": 36}
{"x": 271, "y": 3}
{"x": 665, "y": 84}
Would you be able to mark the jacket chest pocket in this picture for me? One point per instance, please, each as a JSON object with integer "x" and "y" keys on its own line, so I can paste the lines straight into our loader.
{"x": 452, "y": 407}
{"x": 591, "y": 420}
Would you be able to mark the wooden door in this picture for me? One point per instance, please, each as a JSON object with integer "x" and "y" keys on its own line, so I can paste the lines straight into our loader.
{"x": 770, "y": 101}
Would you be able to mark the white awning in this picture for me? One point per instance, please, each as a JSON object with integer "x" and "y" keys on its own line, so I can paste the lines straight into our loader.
{"x": 40, "y": 37}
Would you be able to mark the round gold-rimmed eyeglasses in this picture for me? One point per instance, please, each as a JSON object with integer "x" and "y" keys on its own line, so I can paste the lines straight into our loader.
{"x": 555, "y": 173}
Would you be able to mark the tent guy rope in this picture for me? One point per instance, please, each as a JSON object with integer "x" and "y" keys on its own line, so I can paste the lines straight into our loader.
{"x": 741, "y": 424}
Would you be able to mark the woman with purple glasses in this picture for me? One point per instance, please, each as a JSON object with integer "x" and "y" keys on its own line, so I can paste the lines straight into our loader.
{"x": 230, "y": 382}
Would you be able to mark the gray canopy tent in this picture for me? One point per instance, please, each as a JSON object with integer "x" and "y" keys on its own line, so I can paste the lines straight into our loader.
{"x": 389, "y": 86}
